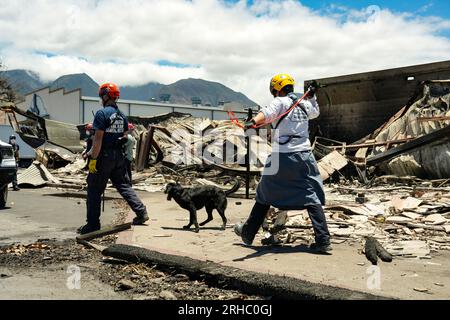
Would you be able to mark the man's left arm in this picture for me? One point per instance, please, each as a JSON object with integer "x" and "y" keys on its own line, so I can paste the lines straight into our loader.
{"x": 97, "y": 144}
{"x": 311, "y": 106}
{"x": 125, "y": 126}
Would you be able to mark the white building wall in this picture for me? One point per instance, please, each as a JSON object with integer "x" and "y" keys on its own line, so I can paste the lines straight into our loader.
{"x": 90, "y": 108}
{"x": 148, "y": 111}
{"x": 72, "y": 108}
{"x": 61, "y": 106}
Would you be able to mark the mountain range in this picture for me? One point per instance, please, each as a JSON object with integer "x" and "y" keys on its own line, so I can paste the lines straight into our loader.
{"x": 186, "y": 91}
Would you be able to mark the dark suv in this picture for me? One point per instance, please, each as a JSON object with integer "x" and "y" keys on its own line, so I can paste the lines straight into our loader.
{"x": 8, "y": 169}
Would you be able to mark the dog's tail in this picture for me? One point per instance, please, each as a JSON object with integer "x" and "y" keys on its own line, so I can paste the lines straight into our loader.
{"x": 237, "y": 185}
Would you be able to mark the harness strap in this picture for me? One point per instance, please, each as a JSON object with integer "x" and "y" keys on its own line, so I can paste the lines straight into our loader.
{"x": 289, "y": 140}
{"x": 294, "y": 98}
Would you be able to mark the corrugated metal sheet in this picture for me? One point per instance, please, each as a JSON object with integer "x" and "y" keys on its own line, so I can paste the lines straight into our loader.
{"x": 429, "y": 114}
{"x": 36, "y": 175}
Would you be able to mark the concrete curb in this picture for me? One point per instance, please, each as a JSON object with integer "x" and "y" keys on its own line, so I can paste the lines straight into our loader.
{"x": 277, "y": 287}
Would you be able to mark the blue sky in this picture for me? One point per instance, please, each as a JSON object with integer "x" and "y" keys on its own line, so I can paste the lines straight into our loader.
{"x": 420, "y": 7}
{"x": 417, "y": 8}
{"x": 440, "y": 8}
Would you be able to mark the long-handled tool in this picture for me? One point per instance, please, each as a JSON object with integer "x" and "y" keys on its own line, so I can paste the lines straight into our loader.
{"x": 247, "y": 159}
{"x": 235, "y": 120}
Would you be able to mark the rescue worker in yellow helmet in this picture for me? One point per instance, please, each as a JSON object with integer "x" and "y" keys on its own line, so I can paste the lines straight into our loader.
{"x": 291, "y": 178}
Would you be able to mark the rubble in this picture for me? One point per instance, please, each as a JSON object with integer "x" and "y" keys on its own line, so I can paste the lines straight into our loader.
{"x": 37, "y": 131}
{"x": 36, "y": 175}
{"x": 414, "y": 142}
{"x": 404, "y": 225}
{"x": 167, "y": 295}
{"x": 330, "y": 164}
{"x": 125, "y": 284}
{"x": 53, "y": 156}
{"x": 184, "y": 140}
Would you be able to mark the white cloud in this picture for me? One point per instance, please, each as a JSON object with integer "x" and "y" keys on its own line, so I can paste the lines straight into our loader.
{"x": 240, "y": 46}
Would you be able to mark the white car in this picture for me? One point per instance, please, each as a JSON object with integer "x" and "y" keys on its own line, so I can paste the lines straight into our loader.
{"x": 8, "y": 168}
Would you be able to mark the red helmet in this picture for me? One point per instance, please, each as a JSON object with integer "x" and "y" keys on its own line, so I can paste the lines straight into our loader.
{"x": 109, "y": 89}
{"x": 89, "y": 126}
{"x": 130, "y": 126}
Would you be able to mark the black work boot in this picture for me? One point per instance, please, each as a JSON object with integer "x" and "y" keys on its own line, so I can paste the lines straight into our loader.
{"x": 238, "y": 231}
{"x": 88, "y": 229}
{"x": 249, "y": 229}
{"x": 141, "y": 220}
{"x": 321, "y": 248}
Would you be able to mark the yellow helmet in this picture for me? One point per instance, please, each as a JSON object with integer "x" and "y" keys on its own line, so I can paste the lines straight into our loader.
{"x": 280, "y": 81}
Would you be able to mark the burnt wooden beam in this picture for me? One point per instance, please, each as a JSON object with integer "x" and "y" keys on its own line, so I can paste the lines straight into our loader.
{"x": 103, "y": 232}
{"x": 434, "y": 137}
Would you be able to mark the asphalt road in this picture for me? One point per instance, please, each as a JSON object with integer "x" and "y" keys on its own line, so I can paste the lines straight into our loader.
{"x": 33, "y": 214}
{"x": 40, "y": 214}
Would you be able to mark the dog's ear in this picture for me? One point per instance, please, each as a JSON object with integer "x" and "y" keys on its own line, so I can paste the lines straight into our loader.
{"x": 168, "y": 188}
{"x": 168, "y": 191}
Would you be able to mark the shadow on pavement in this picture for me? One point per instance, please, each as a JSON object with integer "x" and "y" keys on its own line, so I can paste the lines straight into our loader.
{"x": 192, "y": 230}
{"x": 260, "y": 251}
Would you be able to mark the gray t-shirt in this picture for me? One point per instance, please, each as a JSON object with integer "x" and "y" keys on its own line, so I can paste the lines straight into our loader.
{"x": 295, "y": 124}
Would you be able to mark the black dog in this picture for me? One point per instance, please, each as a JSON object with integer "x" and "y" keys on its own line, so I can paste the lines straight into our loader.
{"x": 196, "y": 198}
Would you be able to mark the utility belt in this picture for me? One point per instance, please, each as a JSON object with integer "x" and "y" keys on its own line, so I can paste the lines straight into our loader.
{"x": 116, "y": 146}
{"x": 289, "y": 140}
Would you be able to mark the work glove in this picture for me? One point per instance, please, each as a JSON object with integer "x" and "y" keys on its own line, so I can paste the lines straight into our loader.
{"x": 313, "y": 88}
{"x": 93, "y": 166}
{"x": 250, "y": 124}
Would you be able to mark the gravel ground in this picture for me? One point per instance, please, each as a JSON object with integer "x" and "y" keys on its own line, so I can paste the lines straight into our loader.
{"x": 132, "y": 281}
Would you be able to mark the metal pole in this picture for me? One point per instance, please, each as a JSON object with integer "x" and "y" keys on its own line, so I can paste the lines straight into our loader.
{"x": 247, "y": 162}
{"x": 247, "y": 159}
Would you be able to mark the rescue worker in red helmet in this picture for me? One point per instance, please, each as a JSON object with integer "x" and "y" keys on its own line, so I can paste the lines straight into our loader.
{"x": 107, "y": 160}
{"x": 291, "y": 178}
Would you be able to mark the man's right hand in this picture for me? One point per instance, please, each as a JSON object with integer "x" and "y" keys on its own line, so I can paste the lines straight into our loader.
{"x": 312, "y": 92}
{"x": 93, "y": 166}
{"x": 313, "y": 88}
{"x": 250, "y": 124}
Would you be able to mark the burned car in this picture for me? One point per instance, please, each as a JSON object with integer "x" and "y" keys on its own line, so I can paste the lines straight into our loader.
{"x": 8, "y": 169}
